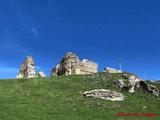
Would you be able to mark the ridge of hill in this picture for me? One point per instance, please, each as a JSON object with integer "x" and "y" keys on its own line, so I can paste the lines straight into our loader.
{"x": 59, "y": 98}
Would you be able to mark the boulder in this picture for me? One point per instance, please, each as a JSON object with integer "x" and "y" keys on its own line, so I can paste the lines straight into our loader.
{"x": 71, "y": 65}
{"x": 104, "y": 94}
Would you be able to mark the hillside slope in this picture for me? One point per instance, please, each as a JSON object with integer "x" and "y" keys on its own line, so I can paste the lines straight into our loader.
{"x": 59, "y": 98}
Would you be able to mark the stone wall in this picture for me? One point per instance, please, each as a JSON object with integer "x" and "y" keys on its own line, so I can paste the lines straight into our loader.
{"x": 88, "y": 67}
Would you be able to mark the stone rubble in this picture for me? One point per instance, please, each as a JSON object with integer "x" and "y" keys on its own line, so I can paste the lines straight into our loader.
{"x": 104, "y": 94}
{"x": 27, "y": 69}
{"x": 71, "y": 65}
{"x": 111, "y": 70}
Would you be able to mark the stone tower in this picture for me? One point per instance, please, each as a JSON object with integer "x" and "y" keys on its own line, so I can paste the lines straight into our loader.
{"x": 30, "y": 65}
{"x": 28, "y": 70}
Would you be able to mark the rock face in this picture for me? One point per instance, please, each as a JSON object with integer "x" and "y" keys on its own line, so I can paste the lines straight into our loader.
{"x": 120, "y": 83}
{"x": 71, "y": 65}
{"x": 132, "y": 82}
{"x": 150, "y": 88}
{"x": 104, "y": 94}
{"x": 27, "y": 69}
{"x": 111, "y": 70}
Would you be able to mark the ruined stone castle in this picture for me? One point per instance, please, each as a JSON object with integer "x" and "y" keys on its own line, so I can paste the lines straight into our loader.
{"x": 71, "y": 65}
{"x": 28, "y": 70}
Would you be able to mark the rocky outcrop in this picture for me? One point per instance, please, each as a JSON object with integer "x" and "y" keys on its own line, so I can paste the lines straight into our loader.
{"x": 111, "y": 70}
{"x": 71, "y": 65}
{"x": 104, "y": 94}
{"x": 150, "y": 88}
{"x": 133, "y": 81}
{"x": 120, "y": 83}
{"x": 27, "y": 69}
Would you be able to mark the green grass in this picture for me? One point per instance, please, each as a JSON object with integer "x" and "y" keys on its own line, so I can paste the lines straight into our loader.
{"x": 59, "y": 98}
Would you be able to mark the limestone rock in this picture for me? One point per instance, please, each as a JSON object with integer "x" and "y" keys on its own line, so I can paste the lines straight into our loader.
{"x": 150, "y": 88}
{"x": 104, "y": 94}
{"x": 27, "y": 69}
{"x": 41, "y": 74}
{"x": 88, "y": 67}
{"x": 120, "y": 83}
{"x": 55, "y": 70}
{"x": 152, "y": 81}
{"x": 132, "y": 82}
{"x": 71, "y": 65}
{"x": 19, "y": 76}
{"x": 111, "y": 70}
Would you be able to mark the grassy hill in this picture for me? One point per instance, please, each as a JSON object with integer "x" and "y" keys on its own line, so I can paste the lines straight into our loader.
{"x": 59, "y": 98}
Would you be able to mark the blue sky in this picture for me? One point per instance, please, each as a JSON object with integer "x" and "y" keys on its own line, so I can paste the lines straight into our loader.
{"x": 105, "y": 31}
